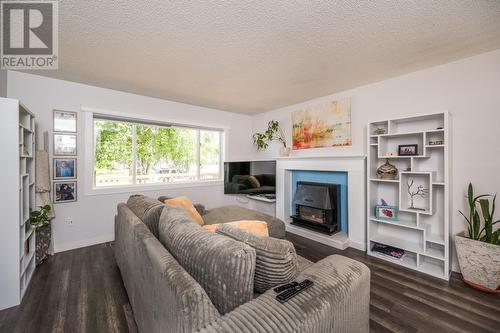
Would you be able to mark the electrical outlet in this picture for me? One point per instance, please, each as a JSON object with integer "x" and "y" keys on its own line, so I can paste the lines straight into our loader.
{"x": 68, "y": 221}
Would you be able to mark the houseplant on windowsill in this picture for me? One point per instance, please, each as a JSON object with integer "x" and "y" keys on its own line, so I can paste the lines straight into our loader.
{"x": 40, "y": 220}
{"x": 479, "y": 250}
{"x": 273, "y": 132}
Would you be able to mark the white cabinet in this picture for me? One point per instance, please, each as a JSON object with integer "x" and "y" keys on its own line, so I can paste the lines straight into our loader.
{"x": 17, "y": 195}
{"x": 420, "y": 191}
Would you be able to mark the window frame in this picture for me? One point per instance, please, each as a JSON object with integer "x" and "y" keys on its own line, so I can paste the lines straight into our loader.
{"x": 89, "y": 150}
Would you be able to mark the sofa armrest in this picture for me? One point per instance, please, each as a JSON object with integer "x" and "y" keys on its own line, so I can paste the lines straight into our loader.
{"x": 339, "y": 301}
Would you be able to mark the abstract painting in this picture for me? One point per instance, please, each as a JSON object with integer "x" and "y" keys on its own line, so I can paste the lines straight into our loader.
{"x": 322, "y": 125}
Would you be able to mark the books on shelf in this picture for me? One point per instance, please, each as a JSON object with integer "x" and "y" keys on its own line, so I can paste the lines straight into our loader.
{"x": 389, "y": 252}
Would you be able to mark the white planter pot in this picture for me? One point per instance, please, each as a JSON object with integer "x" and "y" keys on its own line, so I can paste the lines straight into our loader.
{"x": 284, "y": 151}
{"x": 479, "y": 262}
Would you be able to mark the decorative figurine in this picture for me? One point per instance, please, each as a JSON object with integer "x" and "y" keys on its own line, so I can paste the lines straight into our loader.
{"x": 387, "y": 171}
{"x": 379, "y": 131}
{"x": 419, "y": 192}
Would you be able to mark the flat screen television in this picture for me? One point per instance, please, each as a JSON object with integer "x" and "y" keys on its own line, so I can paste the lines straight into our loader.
{"x": 251, "y": 177}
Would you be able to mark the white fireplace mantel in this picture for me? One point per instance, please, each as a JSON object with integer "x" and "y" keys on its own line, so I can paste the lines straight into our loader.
{"x": 355, "y": 166}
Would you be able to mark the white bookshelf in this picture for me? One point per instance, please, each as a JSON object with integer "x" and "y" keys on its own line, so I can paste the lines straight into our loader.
{"x": 17, "y": 236}
{"x": 422, "y": 231}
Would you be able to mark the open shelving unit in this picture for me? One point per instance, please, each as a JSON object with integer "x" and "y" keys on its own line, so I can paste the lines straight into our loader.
{"x": 27, "y": 196}
{"x": 17, "y": 236}
{"x": 422, "y": 229}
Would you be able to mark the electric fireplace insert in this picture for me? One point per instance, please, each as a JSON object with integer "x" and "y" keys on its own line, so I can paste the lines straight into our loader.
{"x": 317, "y": 206}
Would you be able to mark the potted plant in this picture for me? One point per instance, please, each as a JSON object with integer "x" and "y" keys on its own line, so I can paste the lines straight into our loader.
{"x": 273, "y": 132}
{"x": 41, "y": 221}
{"x": 479, "y": 250}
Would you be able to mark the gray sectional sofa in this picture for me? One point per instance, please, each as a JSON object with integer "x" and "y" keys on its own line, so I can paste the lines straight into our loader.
{"x": 181, "y": 278}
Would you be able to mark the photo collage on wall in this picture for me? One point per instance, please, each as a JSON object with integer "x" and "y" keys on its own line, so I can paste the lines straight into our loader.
{"x": 64, "y": 161}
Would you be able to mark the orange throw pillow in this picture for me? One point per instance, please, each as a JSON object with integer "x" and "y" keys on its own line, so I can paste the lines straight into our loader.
{"x": 256, "y": 227}
{"x": 185, "y": 203}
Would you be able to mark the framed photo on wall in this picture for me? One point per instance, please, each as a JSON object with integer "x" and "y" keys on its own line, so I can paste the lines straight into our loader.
{"x": 64, "y": 192}
{"x": 65, "y": 121}
{"x": 65, "y": 144}
{"x": 64, "y": 168}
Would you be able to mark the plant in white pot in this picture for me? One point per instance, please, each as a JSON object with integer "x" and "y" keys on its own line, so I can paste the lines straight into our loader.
{"x": 273, "y": 132}
{"x": 479, "y": 250}
{"x": 40, "y": 220}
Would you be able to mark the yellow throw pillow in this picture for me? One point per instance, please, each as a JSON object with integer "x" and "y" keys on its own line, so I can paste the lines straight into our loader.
{"x": 185, "y": 203}
{"x": 254, "y": 182}
{"x": 256, "y": 227}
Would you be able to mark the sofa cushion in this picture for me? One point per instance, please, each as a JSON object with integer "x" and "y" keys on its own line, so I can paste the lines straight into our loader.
{"x": 223, "y": 266}
{"x": 303, "y": 263}
{"x": 276, "y": 261}
{"x": 231, "y": 213}
{"x": 187, "y": 205}
{"x": 255, "y": 227}
{"x": 147, "y": 209}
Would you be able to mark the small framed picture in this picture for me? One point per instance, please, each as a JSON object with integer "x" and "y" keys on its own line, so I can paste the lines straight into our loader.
{"x": 408, "y": 150}
{"x": 65, "y": 121}
{"x": 64, "y": 192}
{"x": 65, "y": 144}
{"x": 388, "y": 213}
{"x": 64, "y": 168}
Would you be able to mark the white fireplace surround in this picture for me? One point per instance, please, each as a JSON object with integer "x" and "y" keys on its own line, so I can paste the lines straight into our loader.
{"x": 355, "y": 166}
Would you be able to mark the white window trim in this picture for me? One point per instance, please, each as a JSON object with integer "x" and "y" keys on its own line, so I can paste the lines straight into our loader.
{"x": 88, "y": 151}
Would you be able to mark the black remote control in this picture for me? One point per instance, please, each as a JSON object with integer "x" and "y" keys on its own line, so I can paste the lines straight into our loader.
{"x": 289, "y": 293}
{"x": 286, "y": 286}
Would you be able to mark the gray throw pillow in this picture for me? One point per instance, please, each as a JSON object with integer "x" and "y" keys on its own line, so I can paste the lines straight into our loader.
{"x": 223, "y": 266}
{"x": 147, "y": 209}
{"x": 276, "y": 261}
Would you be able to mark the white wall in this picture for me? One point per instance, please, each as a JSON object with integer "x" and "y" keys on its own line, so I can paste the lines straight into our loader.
{"x": 93, "y": 215}
{"x": 469, "y": 89}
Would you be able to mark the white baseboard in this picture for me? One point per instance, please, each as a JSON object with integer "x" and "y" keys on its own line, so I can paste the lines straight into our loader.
{"x": 357, "y": 245}
{"x": 83, "y": 243}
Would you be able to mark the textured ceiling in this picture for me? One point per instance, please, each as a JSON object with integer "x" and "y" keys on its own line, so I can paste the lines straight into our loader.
{"x": 253, "y": 56}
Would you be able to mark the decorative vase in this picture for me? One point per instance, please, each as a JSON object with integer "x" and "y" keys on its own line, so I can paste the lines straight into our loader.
{"x": 43, "y": 238}
{"x": 479, "y": 263}
{"x": 284, "y": 151}
{"x": 387, "y": 171}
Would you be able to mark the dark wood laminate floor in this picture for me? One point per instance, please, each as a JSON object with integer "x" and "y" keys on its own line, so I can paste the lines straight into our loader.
{"x": 82, "y": 291}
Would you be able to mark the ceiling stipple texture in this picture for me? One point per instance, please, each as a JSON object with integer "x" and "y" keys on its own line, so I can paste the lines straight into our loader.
{"x": 254, "y": 56}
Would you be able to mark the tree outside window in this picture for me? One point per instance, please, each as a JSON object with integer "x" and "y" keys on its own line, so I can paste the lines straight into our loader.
{"x": 159, "y": 155}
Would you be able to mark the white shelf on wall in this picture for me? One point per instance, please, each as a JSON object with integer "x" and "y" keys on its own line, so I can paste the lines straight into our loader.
{"x": 423, "y": 231}
{"x": 384, "y": 180}
{"x": 401, "y": 223}
{"x": 17, "y": 236}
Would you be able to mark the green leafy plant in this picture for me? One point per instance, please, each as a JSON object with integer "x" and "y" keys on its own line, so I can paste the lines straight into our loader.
{"x": 40, "y": 218}
{"x": 481, "y": 230}
{"x": 273, "y": 132}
